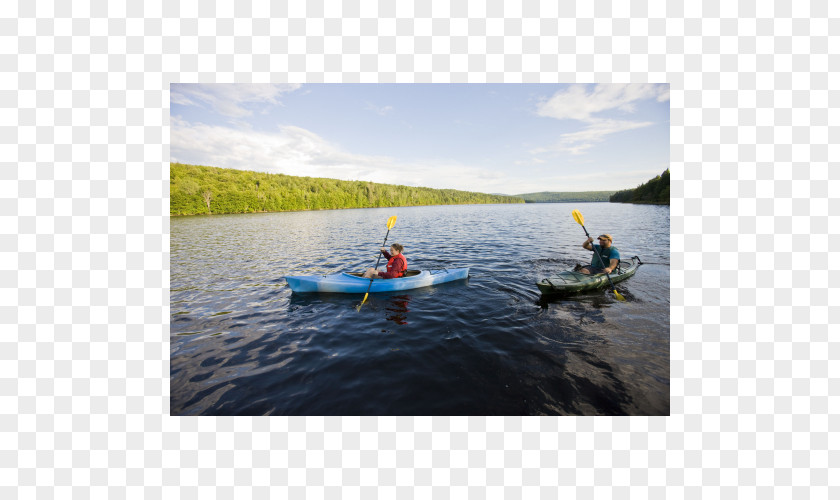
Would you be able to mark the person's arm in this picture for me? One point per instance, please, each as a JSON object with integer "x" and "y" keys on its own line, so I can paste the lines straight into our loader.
{"x": 612, "y": 266}
{"x": 613, "y": 261}
{"x": 588, "y": 243}
{"x": 385, "y": 274}
{"x": 393, "y": 273}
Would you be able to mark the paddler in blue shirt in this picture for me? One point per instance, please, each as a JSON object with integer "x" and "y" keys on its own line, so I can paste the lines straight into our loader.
{"x": 608, "y": 254}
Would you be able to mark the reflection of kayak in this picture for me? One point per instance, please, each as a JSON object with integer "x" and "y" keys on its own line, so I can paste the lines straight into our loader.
{"x": 354, "y": 283}
{"x": 569, "y": 281}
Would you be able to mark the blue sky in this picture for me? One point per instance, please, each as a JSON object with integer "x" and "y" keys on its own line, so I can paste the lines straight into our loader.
{"x": 491, "y": 138}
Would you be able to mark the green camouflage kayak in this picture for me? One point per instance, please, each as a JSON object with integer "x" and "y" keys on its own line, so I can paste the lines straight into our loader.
{"x": 566, "y": 282}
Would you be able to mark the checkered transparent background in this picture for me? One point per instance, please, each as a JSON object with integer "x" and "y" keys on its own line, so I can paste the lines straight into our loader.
{"x": 84, "y": 249}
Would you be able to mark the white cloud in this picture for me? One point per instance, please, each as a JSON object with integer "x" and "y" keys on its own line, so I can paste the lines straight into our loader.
{"x": 596, "y": 131}
{"x": 578, "y": 103}
{"x": 380, "y": 110}
{"x": 231, "y": 100}
{"x": 297, "y": 151}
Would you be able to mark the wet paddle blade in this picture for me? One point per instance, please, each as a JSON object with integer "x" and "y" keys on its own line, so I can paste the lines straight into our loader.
{"x": 578, "y": 216}
{"x": 619, "y": 296}
{"x": 391, "y": 221}
{"x": 359, "y": 307}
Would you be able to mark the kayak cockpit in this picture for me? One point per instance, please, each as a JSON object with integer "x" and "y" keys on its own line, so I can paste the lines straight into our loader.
{"x": 408, "y": 274}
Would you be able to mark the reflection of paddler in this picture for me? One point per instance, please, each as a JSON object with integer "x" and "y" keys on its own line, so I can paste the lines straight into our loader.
{"x": 399, "y": 305}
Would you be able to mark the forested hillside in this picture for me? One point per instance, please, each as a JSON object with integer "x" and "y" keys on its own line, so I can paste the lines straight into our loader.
{"x": 655, "y": 191}
{"x": 200, "y": 190}
{"x": 561, "y": 197}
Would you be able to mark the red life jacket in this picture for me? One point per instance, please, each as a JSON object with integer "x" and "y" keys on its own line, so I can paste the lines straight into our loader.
{"x": 391, "y": 264}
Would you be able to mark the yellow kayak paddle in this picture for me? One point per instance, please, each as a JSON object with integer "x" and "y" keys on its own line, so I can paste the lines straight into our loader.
{"x": 391, "y": 221}
{"x": 579, "y": 219}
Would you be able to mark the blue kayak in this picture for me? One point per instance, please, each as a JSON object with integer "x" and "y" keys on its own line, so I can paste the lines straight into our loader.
{"x": 354, "y": 283}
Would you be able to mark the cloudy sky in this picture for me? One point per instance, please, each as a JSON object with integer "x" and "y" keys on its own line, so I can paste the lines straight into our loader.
{"x": 491, "y": 138}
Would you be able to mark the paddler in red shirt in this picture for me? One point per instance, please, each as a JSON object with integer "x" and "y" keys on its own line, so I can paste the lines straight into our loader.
{"x": 397, "y": 264}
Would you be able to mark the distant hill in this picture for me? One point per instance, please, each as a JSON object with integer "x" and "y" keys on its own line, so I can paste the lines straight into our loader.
{"x": 564, "y": 197}
{"x": 197, "y": 189}
{"x": 656, "y": 191}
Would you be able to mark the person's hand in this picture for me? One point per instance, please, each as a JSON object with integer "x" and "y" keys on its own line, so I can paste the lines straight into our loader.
{"x": 590, "y": 240}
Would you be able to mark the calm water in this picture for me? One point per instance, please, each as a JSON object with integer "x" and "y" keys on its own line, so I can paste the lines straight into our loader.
{"x": 242, "y": 344}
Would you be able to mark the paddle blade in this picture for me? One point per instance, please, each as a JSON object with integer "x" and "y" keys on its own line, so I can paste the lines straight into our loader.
{"x": 391, "y": 222}
{"x": 619, "y": 296}
{"x": 359, "y": 307}
{"x": 578, "y": 216}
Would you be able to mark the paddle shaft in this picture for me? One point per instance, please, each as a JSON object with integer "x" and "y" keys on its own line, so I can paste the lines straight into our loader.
{"x": 380, "y": 254}
{"x": 375, "y": 267}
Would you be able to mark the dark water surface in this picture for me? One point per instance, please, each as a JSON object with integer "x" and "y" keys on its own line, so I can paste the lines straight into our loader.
{"x": 242, "y": 344}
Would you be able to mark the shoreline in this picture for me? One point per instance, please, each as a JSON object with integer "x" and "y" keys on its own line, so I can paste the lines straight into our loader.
{"x": 339, "y": 208}
{"x": 411, "y": 206}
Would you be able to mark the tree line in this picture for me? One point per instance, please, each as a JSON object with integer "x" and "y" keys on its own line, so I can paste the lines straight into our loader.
{"x": 655, "y": 191}
{"x": 196, "y": 189}
{"x": 566, "y": 197}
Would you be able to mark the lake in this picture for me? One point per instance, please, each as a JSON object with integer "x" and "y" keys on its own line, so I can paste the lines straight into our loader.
{"x": 241, "y": 343}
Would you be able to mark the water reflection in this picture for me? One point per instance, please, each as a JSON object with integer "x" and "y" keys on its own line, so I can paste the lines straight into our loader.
{"x": 398, "y": 305}
{"x": 591, "y": 302}
{"x": 394, "y": 307}
{"x": 300, "y": 300}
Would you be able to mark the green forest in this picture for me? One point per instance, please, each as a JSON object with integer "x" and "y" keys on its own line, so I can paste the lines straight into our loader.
{"x": 655, "y": 191}
{"x": 561, "y": 197}
{"x": 197, "y": 189}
